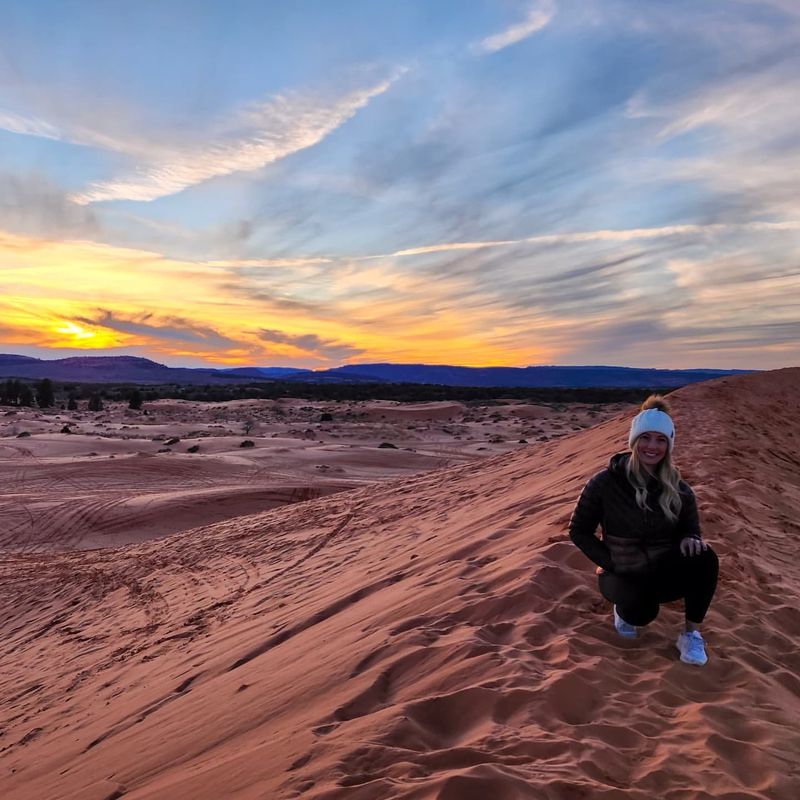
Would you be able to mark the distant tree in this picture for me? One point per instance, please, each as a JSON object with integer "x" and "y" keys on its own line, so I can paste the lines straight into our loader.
{"x": 248, "y": 426}
{"x": 72, "y": 403}
{"x": 95, "y": 403}
{"x": 11, "y": 393}
{"x": 25, "y": 395}
{"x": 45, "y": 396}
{"x": 135, "y": 400}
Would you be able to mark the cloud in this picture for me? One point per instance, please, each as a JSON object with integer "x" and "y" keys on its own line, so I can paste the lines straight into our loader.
{"x": 80, "y": 134}
{"x": 734, "y": 136}
{"x": 265, "y": 263}
{"x": 311, "y": 343}
{"x": 272, "y": 300}
{"x": 152, "y": 327}
{"x": 753, "y": 310}
{"x": 31, "y": 204}
{"x": 443, "y": 248}
{"x": 538, "y": 16}
{"x": 756, "y": 107}
{"x": 257, "y": 136}
{"x": 28, "y": 126}
{"x": 577, "y": 237}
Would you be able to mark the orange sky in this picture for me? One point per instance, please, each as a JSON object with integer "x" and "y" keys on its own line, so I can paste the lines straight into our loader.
{"x": 81, "y": 295}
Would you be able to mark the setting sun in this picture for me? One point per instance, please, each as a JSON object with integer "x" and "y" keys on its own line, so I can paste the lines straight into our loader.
{"x": 71, "y": 329}
{"x": 73, "y": 335}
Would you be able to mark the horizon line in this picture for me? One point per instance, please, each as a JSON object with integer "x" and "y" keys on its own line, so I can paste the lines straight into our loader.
{"x": 403, "y": 364}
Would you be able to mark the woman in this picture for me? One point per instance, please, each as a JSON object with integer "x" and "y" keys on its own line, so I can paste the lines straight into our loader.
{"x": 651, "y": 551}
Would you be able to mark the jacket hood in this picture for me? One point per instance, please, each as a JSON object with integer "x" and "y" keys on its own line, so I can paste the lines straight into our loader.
{"x": 618, "y": 462}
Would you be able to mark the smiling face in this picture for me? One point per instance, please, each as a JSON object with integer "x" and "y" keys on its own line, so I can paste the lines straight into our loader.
{"x": 651, "y": 447}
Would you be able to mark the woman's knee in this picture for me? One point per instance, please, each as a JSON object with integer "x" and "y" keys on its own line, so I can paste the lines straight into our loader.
{"x": 640, "y": 615}
{"x": 710, "y": 554}
{"x": 708, "y": 561}
{"x": 635, "y": 604}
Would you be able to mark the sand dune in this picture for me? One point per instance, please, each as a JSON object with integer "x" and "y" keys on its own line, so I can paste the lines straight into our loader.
{"x": 404, "y": 411}
{"x": 75, "y": 480}
{"x": 434, "y": 637}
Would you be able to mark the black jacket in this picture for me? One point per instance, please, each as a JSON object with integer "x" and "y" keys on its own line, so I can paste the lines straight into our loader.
{"x": 633, "y": 540}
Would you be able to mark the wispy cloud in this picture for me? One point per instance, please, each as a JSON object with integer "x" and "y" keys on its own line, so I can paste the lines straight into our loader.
{"x": 754, "y": 107}
{"x": 28, "y": 126}
{"x": 80, "y": 134}
{"x": 539, "y": 15}
{"x": 577, "y": 237}
{"x": 733, "y": 137}
{"x": 257, "y": 136}
{"x": 753, "y": 290}
{"x": 310, "y": 343}
{"x": 256, "y": 263}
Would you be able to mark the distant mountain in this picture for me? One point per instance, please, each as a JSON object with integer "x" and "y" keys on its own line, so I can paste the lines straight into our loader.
{"x": 342, "y": 375}
{"x": 131, "y": 369}
{"x": 14, "y": 359}
{"x": 109, "y": 369}
{"x": 530, "y": 377}
{"x": 264, "y": 372}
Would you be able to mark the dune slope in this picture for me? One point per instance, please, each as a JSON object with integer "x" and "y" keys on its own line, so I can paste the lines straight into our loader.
{"x": 433, "y": 637}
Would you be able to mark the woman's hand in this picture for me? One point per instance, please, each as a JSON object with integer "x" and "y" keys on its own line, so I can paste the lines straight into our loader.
{"x": 692, "y": 546}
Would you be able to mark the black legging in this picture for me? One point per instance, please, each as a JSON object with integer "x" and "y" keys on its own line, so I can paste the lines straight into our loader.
{"x": 638, "y": 598}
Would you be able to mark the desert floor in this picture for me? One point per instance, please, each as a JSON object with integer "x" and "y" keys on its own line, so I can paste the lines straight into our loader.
{"x": 121, "y": 476}
{"x": 372, "y": 623}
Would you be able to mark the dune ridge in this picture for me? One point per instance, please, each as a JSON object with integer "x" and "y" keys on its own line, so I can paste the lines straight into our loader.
{"x": 432, "y": 637}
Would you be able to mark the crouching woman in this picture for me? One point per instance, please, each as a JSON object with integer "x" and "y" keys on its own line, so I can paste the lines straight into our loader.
{"x": 651, "y": 551}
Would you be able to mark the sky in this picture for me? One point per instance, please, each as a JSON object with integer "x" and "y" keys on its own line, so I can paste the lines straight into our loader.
{"x": 479, "y": 182}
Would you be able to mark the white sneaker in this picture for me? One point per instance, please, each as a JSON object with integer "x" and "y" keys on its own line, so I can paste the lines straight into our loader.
{"x": 692, "y": 648}
{"x": 624, "y": 628}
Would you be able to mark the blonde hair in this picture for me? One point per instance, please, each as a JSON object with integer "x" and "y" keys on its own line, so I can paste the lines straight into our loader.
{"x": 667, "y": 473}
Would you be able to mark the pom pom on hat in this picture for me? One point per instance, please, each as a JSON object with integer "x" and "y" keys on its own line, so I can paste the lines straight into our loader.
{"x": 654, "y": 418}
